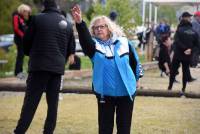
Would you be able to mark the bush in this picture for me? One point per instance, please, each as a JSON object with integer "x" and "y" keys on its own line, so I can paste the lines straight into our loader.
{"x": 10, "y": 57}
{"x": 8, "y": 68}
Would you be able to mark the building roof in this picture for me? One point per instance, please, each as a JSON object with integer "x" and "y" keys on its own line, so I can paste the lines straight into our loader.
{"x": 169, "y": 2}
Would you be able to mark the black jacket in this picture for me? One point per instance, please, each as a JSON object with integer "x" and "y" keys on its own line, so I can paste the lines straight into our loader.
{"x": 48, "y": 43}
{"x": 185, "y": 38}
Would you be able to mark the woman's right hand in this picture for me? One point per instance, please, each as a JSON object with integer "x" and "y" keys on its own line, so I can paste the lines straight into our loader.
{"x": 76, "y": 14}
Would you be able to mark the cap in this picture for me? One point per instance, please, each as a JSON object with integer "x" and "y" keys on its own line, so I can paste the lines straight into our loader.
{"x": 197, "y": 13}
{"x": 186, "y": 14}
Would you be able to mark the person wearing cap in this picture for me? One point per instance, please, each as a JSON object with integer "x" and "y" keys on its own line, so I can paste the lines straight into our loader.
{"x": 48, "y": 42}
{"x": 184, "y": 41}
{"x": 196, "y": 28}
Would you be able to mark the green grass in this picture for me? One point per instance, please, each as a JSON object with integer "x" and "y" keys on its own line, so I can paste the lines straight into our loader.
{"x": 85, "y": 62}
{"x": 77, "y": 114}
{"x": 142, "y": 58}
{"x": 8, "y": 69}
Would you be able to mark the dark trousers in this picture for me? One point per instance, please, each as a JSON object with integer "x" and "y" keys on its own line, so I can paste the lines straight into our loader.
{"x": 19, "y": 58}
{"x": 37, "y": 83}
{"x": 185, "y": 71}
{"x": 123, "y": 106}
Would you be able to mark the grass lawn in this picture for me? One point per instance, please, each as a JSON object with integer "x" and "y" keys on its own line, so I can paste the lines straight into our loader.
{"x": 86, "y": 63}
{"x": 78, "y": 115}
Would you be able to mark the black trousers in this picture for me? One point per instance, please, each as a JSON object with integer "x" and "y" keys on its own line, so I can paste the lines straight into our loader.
{"x": 123, "y": 106}
{"x": 20, "y": 57}
{"x": 37, "y": 83}
{"x": 185, "y": 71}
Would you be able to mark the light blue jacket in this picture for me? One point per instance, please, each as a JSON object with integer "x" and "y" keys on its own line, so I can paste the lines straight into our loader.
{"x": 120, "y": 51}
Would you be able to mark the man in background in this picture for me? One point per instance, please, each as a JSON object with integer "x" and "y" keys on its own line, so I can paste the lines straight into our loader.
{"x": 48, "y": 42}
{"x": 184, "y": 41}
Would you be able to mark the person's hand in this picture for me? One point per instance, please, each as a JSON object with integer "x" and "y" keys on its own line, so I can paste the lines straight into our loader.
{"x": 76, "y": 14}
{"x": 188, "y": 51}
{"x": 71, "y": 59}
{"x": 167, "y": 72}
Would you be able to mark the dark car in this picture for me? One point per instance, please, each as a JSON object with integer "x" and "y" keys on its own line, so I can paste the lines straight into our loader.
{"x": 6, "y": 41}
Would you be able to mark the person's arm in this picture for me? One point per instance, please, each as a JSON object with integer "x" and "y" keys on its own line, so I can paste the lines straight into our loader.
{"x": 163, "y": 59}
{"x": 85, "y": 39}
{"x": 135, "y": 63}
{"x": 16, "y": 26}
{"x": 28, "y": 37}
{"x": 167, "y": 68}
{"x": 197, "y": 41}
{"x": 71, "y": 46}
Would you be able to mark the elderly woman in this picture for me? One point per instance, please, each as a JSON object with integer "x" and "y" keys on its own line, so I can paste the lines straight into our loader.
{"x": 19, "y": 26}
{"x": 115, "y": 70}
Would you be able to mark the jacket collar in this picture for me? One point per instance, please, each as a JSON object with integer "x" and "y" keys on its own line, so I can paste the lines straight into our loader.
{"x": 184, "y": 23}
{"x": 51, "y": 9}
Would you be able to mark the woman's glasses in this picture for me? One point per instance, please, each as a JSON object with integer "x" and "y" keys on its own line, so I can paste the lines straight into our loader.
{"x": 100, "y": 27}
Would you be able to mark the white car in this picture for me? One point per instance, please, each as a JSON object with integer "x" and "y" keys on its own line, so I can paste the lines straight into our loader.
{"x": 6, "y": 41}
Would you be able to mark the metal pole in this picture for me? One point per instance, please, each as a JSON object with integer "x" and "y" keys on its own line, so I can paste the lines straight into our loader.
{"x": 155, "y": 15}
{"x": 150, "y": 13}
{"x": 143, "y": 12}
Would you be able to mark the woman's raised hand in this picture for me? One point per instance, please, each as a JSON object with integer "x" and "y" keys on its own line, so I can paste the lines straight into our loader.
{"x": 76, "y": 14}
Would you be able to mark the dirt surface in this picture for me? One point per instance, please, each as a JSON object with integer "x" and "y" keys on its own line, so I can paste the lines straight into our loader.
{"x": 151, "y": 80}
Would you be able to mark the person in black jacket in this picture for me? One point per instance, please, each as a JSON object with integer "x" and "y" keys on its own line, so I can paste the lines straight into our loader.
{"x": 185, "y": 40}
{"x": 48, "y": 42}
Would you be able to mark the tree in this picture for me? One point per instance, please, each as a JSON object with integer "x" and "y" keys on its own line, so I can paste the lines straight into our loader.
{"x": 7, "y": 7}
{"x": 128, "y": 15}
{"x": 167, "y": 13}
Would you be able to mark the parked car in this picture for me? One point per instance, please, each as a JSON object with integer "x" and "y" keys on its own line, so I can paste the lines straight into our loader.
{"x": 6, "y": 41}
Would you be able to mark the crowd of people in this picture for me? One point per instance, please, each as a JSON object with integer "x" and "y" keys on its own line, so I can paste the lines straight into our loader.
{"x": 50, "y": 43}
{"x": 184, "y": 50}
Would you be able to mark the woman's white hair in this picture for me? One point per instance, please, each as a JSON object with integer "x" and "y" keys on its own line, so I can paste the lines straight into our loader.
{"x": 22, "y": 8}
{"x": 112, "y": 26}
